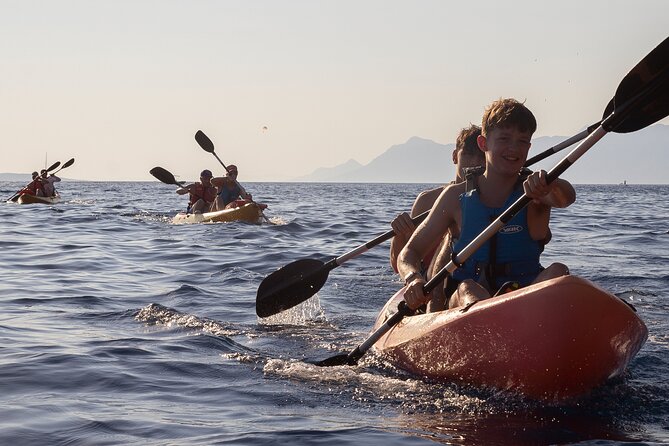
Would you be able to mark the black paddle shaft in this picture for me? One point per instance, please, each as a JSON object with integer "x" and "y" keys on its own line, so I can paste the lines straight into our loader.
{"x": 299, "y": 280}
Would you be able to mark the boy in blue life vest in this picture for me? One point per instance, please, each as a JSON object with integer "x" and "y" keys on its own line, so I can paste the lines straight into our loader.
{"x": 513, "y": 253}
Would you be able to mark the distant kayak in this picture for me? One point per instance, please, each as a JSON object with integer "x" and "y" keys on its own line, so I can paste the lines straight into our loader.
{"x": 555, "y": 340}
{"x": 34, "y": 199}
{"x": 248, "y": 211}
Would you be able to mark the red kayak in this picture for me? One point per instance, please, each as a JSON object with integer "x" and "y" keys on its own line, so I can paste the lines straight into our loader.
{"x": 555, "y": 340}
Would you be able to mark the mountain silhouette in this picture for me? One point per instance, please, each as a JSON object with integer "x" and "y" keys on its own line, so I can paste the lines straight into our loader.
{"x": 638, "y": 157}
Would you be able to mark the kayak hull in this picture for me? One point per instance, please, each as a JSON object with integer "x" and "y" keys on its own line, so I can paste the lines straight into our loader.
{"x": 555, "y": 340}
{"x": 34, "y": 199}
{"x": 250, "y": 212}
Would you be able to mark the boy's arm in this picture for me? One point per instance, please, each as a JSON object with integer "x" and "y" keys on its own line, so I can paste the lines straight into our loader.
{"x": 183, "y": 190}
{"x": 426, "y": 236}
{"x": 404, "y": 227}
{"x": 440, "y": 260}
{"x": 559, "y": 194}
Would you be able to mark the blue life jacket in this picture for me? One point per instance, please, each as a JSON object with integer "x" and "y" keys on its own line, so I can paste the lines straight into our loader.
{"x": 511, "y": 254}
{"x": 229, "y": 195}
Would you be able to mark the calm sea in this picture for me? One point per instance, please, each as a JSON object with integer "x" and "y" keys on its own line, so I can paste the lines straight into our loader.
{"x": 118, "y": 327}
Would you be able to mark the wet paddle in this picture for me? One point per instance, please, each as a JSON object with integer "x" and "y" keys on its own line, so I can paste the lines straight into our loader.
{"x": 18, "y": 192}
{"x": 642, "y": 98}
{"x": 299, "y": 280}
{"x": 208, "y": 146}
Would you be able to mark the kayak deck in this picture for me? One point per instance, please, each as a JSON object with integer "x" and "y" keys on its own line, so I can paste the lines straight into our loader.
{"x": 554, "y": 340}
{"x": 250, "y": 212}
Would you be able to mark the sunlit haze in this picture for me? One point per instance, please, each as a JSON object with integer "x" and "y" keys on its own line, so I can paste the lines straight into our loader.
{"x": 285, "y": 87}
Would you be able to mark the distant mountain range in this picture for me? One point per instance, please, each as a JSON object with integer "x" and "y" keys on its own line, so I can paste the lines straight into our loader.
{"x": 22, "y": 177}
{"x": 639, "y": 157}
{"x": 416, "y": 161}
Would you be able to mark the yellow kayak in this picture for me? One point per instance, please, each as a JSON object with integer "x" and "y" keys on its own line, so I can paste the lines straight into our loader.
{"x": 250, "y": 212}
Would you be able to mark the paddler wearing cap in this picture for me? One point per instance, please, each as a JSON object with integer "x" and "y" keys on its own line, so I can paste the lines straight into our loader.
{"x": 228, "y": 190}
{"x": 202, "y": 193}
{"x": 47, "y": 181}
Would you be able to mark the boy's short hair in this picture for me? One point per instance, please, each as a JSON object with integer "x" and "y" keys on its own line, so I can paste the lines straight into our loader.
{"x": 508, "y": 113}
{"x": 466, "y": 140}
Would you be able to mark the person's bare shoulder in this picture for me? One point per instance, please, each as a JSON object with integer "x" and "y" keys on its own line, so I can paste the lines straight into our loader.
{"x": 450, "y": 197}
{"x": 425, "y": 200}
{"x": 218, "y": 181}
{"x": 454, "y": 190}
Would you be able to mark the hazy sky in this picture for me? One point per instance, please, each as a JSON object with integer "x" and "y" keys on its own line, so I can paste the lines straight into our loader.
{"x": 123, "y": 86}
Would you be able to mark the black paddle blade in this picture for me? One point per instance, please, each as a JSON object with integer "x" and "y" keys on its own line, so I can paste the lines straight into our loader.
{"x": 290, "y": 286}
{"x": 346, "y": 359}
{"x": 53, "y": 166}
{"x": 335, "y": 361}
{"x": 652, "y": 73}
{"x": 204, "y": 141}
{"x": 68, "y": 164}
{"x": 609, "y": 108}
{"x": 163, "y": 175}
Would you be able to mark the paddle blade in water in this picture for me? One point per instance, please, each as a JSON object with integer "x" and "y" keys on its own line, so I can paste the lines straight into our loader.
{"x": 650, "y": 80}
{"x": 204, "y": 141}
{"x": 334, "y": 361}
{"x": 290, "y": 286}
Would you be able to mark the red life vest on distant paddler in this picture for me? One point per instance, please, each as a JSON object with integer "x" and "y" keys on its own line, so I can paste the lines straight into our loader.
{"x": 33, "y": 187}
{"x": 198, "y": 191}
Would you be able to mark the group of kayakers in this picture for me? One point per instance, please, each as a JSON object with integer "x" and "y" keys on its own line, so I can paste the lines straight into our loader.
{"x": 490, "y": 176}
{"x": 495, "y": 154}
{"x": 42, "y": 184}
{"x": 214, "y": 194}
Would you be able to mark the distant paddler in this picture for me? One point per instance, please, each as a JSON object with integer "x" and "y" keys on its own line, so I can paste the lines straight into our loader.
{"x": 229, "y": 190}
{"x": 202, "y": 193}
{"x": 46, "y": 188}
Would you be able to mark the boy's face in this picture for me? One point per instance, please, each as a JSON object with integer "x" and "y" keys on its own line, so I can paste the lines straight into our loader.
{"x": 464, "y": 159}
{"x": 506, "y": 148}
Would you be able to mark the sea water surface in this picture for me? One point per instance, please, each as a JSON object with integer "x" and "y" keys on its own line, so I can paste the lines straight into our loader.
{"x": 117, "y": 327}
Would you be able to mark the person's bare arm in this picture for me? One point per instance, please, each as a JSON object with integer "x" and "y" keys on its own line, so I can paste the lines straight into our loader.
{"x": 427, "y": 236}
{"x": 404, "y": 227}
{"x": 440, "y": 260}
{"x": 183, "y": 190}
{"x": 558, "y": 194}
